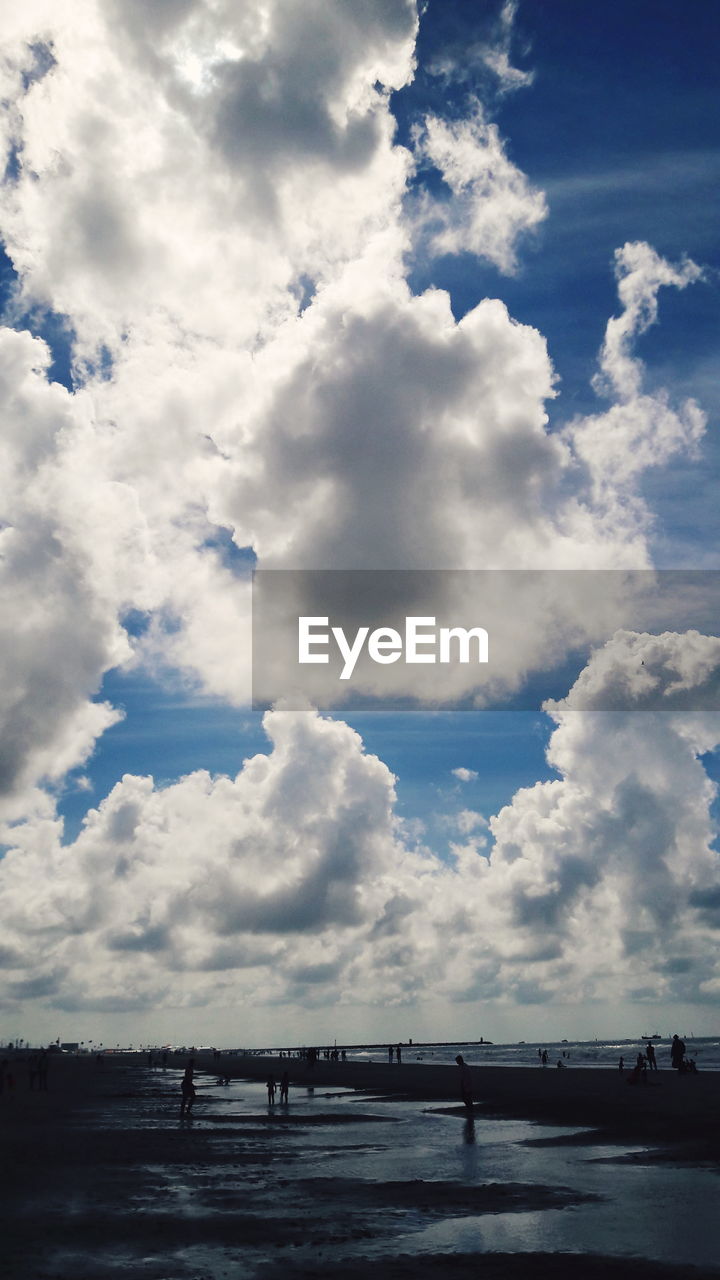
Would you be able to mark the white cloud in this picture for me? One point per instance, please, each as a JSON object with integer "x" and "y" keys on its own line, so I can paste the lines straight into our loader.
{"x": 58, "y": 635}
{"x": 492, "y": 203}
{"x": 497, "y": 55}
{"x": 640, "y": 430}
{"x": 464, "y": 775}
{"x": 468, "y": 820}
{"x": 148, "y": 214}
{"x": 315, "y": 438}
{"x": 208, "y": 876}
{"x": 640, "y": 273}
{"x": 293, "y": 882}
{"x": 492, "y": 54}
{"x": 611, "y": 862}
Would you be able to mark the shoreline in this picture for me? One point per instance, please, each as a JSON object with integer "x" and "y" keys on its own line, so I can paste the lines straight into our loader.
{"x": 670, "y": 1107}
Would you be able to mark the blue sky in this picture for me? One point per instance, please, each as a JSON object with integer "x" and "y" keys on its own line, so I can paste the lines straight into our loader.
{"x": 191, "y": 418}
{"x": 620, "y": 128}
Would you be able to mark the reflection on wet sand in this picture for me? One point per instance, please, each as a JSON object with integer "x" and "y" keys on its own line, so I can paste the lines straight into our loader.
{"x": 329, "y": 1183}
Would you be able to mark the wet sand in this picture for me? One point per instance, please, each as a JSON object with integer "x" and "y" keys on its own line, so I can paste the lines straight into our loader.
{"x": 669, "y": 1107}
{"x": 102, "y": 1179}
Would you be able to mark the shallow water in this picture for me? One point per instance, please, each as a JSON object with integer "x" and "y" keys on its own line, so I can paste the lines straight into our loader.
{"x": 338, "y": 1175}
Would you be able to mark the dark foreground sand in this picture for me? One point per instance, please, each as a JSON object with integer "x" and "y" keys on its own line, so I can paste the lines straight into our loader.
{"x": 101, "y": 1180}
{"x": 495, "y": 1266}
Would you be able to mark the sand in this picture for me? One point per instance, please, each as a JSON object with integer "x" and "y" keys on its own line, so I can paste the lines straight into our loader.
{"x": 101, "y": 1178}
{"x": 669, "y": 1107}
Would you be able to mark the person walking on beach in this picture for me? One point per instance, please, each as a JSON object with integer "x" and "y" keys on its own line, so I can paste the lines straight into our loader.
{"x": 465, "y": 1082}
{"x": 284, "y": 1086}
{"x": 651, "y": 1059}
{"x": 187, "y": 1092}
{"x": 271, "y": 1089}
{"x": 390, "y": 1053}
{"x": 398, "y": 1055}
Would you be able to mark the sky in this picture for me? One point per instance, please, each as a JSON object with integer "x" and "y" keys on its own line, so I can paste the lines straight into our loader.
{"x": 361, "y": 285}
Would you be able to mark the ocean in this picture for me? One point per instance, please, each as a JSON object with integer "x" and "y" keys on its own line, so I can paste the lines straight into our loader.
{"x": 577, "y": 1053}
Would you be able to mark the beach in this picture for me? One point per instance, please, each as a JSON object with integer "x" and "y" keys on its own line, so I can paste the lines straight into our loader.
{"x": 369, "y": 1169}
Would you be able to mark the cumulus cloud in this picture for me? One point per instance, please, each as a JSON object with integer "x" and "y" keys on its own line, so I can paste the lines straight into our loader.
{"x": 641, "y": 429}
{"x": 265, "y": 374}
{"x": 150, "y": 206}
{"x": 607, "y": 862}
{"x": 492, "y": 204}
{"x": 640, "y": 273}
{"x": 58, "y": 634}
{"x": 209, "y": 875}
{"x": 294, "y": 881}
{"x": 464, "y": 775}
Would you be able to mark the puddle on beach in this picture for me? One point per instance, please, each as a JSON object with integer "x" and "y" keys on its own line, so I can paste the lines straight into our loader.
{"x": 336, "y": 1176}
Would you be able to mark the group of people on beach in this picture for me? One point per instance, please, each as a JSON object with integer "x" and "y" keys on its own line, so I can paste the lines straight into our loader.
{"x": 188, "y": 1092}
{"x": 643, "y": 1063}
{"x": 272, "y": 1086}
{"x": 647, "y": 1061}
{"x": 38, "y": 1065}
{"x": 311, "y": 1056}
{"x": 544, "y": 1058}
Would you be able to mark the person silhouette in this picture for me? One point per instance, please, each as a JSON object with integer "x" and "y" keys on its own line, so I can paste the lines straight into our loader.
{"x": 187, "y": 1091}
{"x": 465, "y": 1082}
{"x": 271, "y": 1089}
{"x": 677, "y": 1052}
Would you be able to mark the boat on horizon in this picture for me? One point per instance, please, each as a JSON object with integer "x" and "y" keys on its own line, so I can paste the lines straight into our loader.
{"x": 656, "y": 1036}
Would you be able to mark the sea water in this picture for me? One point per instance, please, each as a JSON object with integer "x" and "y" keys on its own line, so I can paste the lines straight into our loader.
{"x": 580, "y": 1053}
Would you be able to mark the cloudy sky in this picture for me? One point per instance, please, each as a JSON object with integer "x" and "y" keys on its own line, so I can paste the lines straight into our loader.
{"x": 313, "y": 285}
